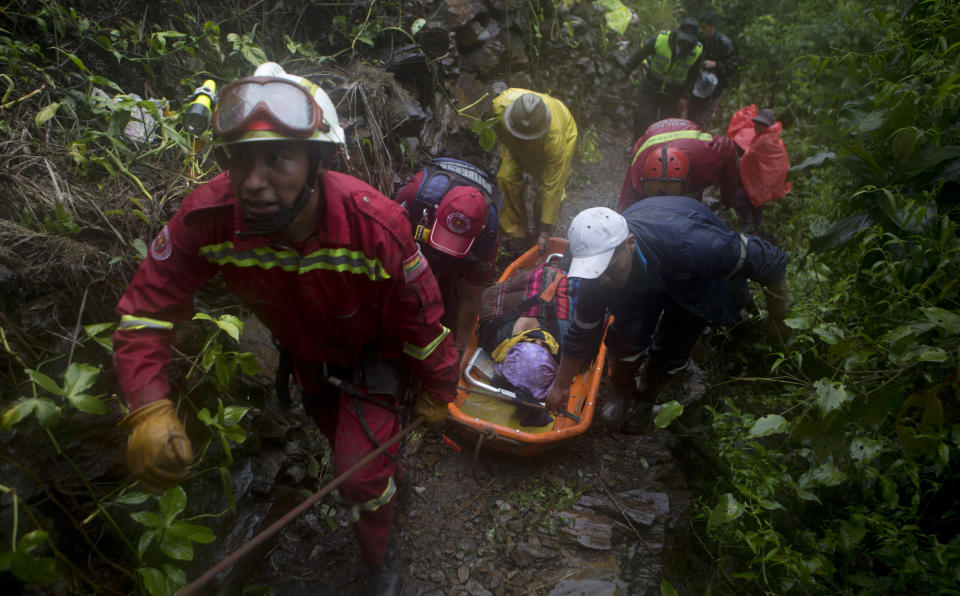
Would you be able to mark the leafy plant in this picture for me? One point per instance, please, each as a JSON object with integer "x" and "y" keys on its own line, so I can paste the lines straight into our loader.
{"x": 173, "y": 538}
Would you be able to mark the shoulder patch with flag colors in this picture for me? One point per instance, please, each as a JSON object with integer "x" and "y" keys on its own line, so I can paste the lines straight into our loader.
{"x": 160, "y": 248}
{"x": 414, "y": 266}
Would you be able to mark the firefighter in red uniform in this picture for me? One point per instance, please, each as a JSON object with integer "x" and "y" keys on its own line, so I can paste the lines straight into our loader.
{"x": 675, "y": 151}
{"x": 453, "y": 208}
{"x": 331, "y": 268}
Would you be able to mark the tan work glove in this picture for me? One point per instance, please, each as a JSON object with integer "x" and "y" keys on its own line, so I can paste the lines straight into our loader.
{"x": 159, "y": 450}
{"x": 433, "y": 411}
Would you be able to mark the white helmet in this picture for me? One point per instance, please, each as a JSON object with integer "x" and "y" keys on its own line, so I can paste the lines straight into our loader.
{"x": 335, "y": 134}
{"x": 705, "y": 85}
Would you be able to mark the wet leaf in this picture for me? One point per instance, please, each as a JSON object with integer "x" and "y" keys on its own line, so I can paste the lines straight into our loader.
{"x": 140, "y": 246}
{"x": 902, "y": 142}
{"x": 668, "y": 412}
{"x": 177, "y": 548}
{"x": 46, "y": 114}
{"x": 824, "y": 475}
{"x": 799, "y": 322}
{"x": 943, "y": 318}
{"x": 145, "y": 541}
{"x": 828, "y": 333}
{"x": 17, "y": 412}
{"x": 233, "y": 414}
{"x": 841, "y": 231}
{"x": 155, "y": 582}
{"x": 31, "y": 540}
{"x": 815, "y": 160}
{"x": 830, "y": 396}
{"x": 666, "y": 588}
{"x": 933, "y": 355}
{"x": 176, "y": 576}
{"x": 417, "y": 26}
{"x": 231, "y": 324}
{"x": 770, "y": 424}
{"x": 44, "y": 381}
{"x": 863, "y": 450}
{"x": 132, "y": 498}
{"x": 194, "y": 532}
{"x": 172, "y": 503}
{"x": 147, "y": 518}
{"x": 89, "y": 404}
{"x": 31, "y": 569}
{"x": 727, "y": 509}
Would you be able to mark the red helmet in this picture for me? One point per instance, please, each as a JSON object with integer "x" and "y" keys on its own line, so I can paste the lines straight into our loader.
{"x": 666, "y": 163}
{"x": 665, "y": 171}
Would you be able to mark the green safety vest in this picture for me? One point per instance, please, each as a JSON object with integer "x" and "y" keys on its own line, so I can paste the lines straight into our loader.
{"x": 664, "y": 67}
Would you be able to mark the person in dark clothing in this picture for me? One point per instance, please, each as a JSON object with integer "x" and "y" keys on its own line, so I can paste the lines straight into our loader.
{"x": 665, "y": 269}
{"x": 719, "y": 59}
{"x": 673, "y": 60}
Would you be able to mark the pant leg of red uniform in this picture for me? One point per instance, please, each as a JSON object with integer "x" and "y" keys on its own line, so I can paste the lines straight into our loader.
{"x": 371, "y": 489}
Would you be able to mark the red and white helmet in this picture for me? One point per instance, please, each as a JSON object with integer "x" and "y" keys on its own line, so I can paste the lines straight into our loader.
{"x": 274, "y": 105}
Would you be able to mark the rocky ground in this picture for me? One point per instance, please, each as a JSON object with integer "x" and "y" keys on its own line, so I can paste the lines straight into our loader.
{"x": 603, "y": 514}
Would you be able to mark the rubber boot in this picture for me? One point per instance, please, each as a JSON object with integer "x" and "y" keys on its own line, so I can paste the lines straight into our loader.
{"x": 386, "y": 579}
{"x": 638, "y": 418}
{"x": 650, "y": 376}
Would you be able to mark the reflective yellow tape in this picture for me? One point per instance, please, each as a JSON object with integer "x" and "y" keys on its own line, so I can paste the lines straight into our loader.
{"x": 131, "y": 322}
{"x": 671, "y": 136}
{"x": 422, "y": 353}
{"x": 331, "y": 259}
{"x": 376, "y": 502}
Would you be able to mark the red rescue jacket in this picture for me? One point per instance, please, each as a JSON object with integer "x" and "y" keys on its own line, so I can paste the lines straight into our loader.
{"x": 359, "y": 280}
{"x": 713, "y": 161}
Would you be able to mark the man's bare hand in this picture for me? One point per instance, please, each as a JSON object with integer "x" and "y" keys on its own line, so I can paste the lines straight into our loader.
{"x": 543, "y": 240}
{"x": 557, "y": 398}
{"x": 709, "y": 64}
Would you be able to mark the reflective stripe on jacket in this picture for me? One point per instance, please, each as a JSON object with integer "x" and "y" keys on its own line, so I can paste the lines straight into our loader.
{"x": 713, "y": 161}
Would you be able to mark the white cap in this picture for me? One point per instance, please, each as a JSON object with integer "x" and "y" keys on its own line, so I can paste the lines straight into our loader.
{"x": 335, "y": 135}
{"x": 595, "y": 233}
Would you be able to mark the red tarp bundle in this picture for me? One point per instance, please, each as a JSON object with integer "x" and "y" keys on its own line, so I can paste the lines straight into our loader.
{"x": 764, "y": 164}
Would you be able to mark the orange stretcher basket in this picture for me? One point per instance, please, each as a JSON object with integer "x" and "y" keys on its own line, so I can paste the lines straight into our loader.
{"x": 487, "y": 415}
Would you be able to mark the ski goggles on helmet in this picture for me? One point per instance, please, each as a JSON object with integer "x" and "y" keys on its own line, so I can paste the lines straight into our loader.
{"x": 266, "y": 103}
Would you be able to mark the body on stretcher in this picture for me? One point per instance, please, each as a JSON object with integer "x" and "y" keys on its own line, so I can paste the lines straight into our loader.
{"x": 482, "y": 409}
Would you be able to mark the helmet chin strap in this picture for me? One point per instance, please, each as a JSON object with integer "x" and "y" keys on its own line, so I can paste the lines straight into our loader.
{"x": 283, "y": 217}
{"x": 280, "y": 219}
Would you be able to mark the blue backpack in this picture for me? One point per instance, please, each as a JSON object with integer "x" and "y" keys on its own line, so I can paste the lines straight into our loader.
{"x": 442, "y": 174}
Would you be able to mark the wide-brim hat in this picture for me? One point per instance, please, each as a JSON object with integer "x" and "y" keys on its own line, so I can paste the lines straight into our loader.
{"x": 527, "y": 117}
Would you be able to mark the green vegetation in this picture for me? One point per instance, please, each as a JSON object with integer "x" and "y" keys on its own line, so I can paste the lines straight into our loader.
{"x": 843, "y": 449}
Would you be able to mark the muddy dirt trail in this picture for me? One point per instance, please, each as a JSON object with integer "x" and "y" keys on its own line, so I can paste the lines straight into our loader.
{"x": 599, "y": 515}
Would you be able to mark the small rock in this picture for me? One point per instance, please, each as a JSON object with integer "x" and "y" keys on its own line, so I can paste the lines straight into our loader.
{"x": 555, "y": 481}
{"x": 474, "y": 588}
{"x": 536, "y": 551}
{"x": 586, "y": 586}
{"x": 588, "y": 529}
{"x": 463, "y": 573}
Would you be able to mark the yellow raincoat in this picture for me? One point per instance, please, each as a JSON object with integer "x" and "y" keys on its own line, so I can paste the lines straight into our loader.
{"x": 547, "y": 159}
